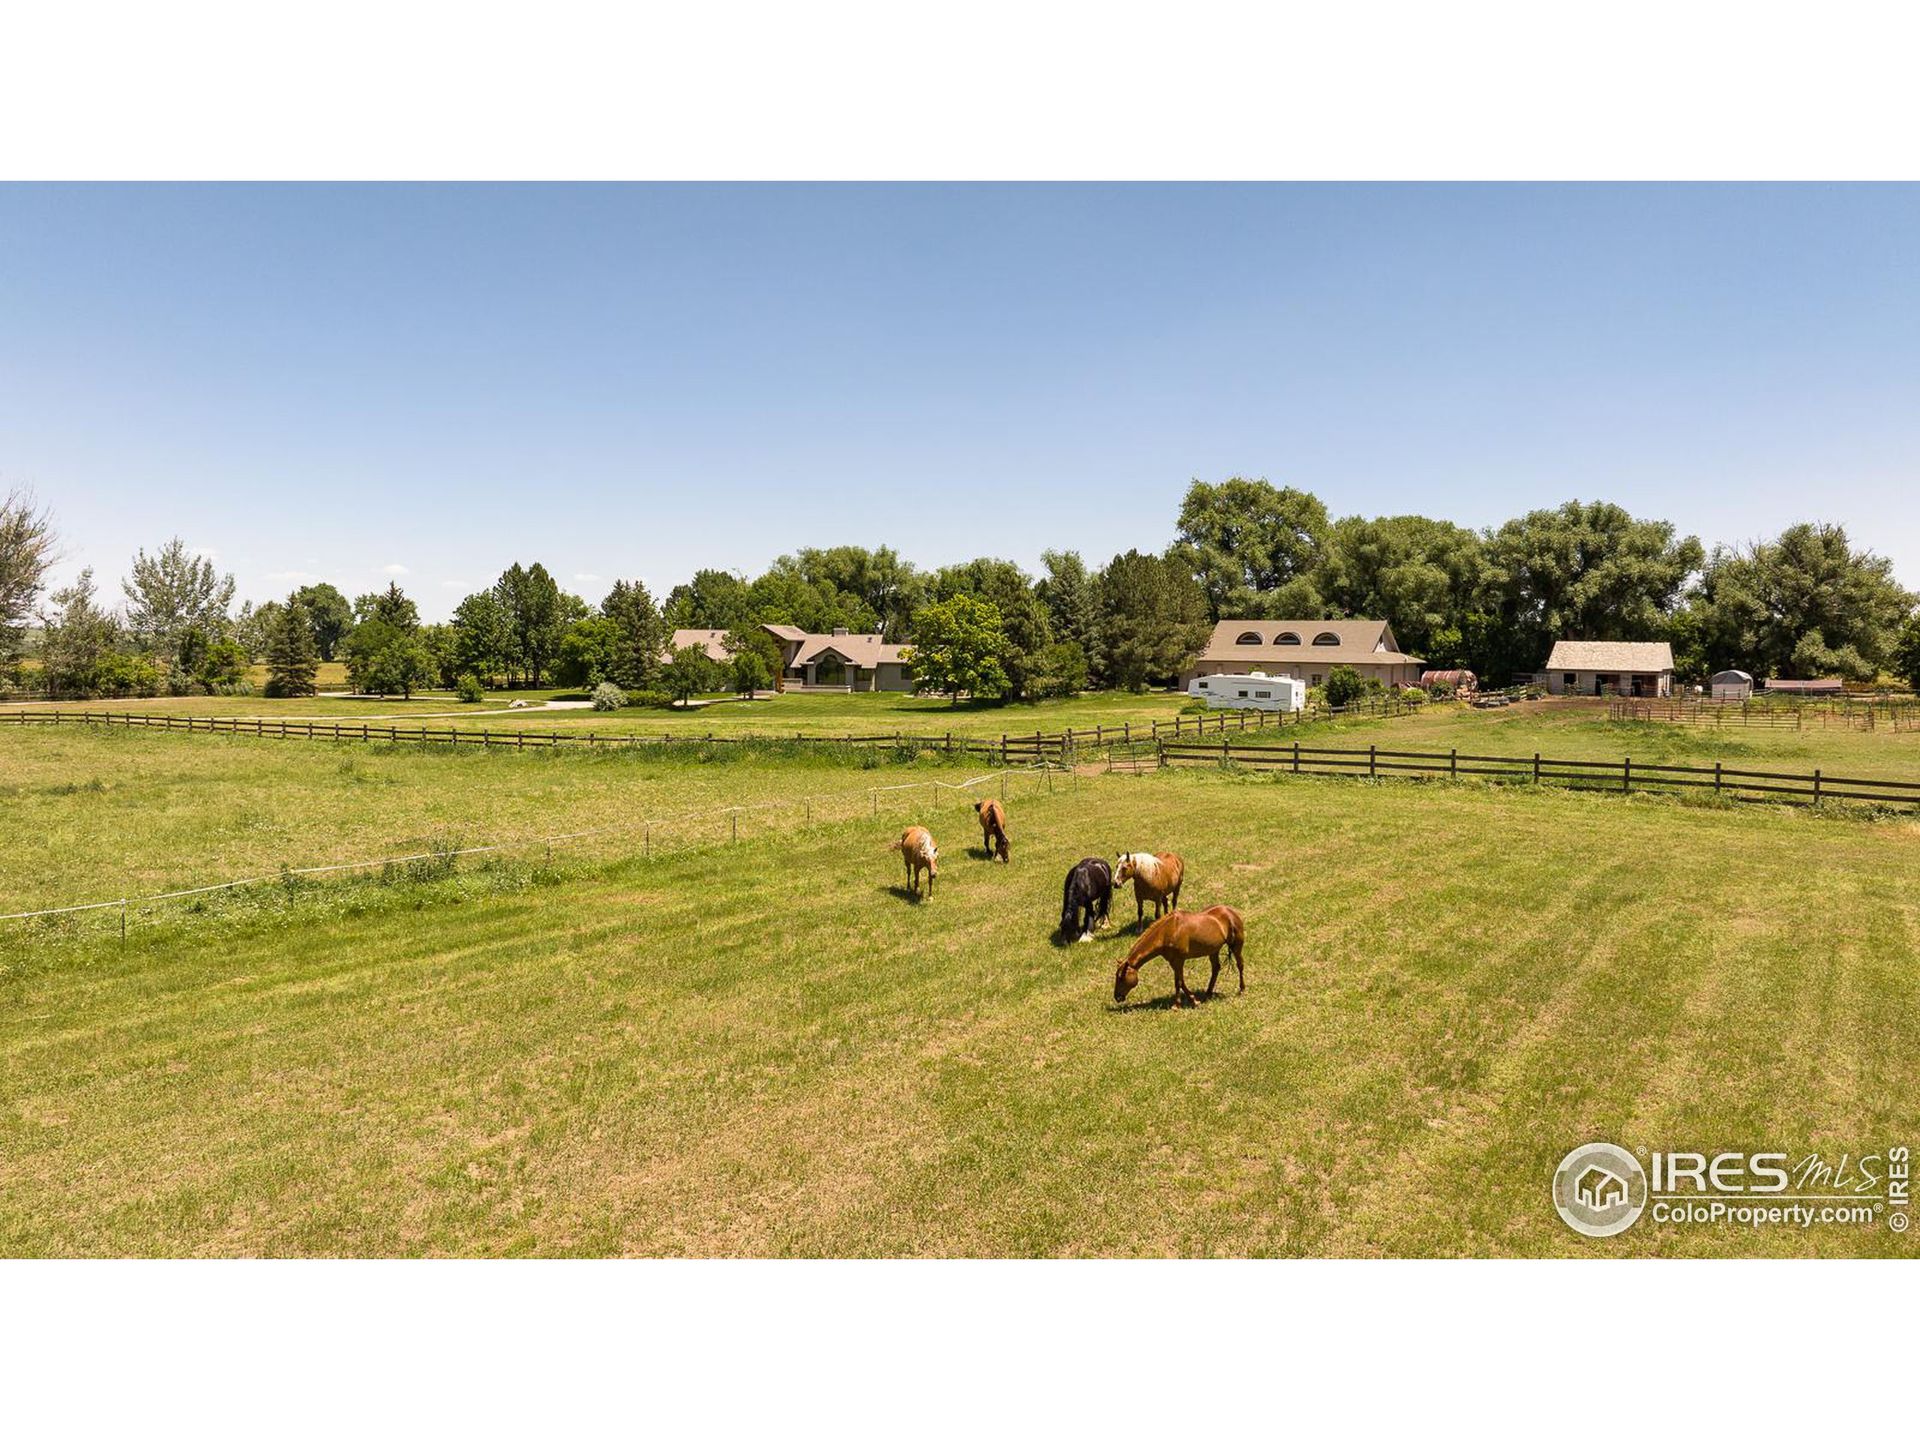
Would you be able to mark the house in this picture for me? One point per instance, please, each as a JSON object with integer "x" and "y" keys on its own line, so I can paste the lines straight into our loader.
{"x": 1305, "y": 650}
{"x": 1600, "y": 1189}
{"x": 1732, "y": 685}
{"x": 1610, "y": 667}
{"x": 837, "y": 661}
{"x": 1830, "y": 686}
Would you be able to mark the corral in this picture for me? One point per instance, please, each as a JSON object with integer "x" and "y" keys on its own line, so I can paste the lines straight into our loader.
{"x": 763, "y": 1047}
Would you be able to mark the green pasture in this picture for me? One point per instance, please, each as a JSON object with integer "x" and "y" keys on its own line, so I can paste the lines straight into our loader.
{"x": 768, "y": 1049}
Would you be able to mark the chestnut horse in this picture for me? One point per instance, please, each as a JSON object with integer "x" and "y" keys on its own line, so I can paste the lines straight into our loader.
{"x": 993, "y": 829}
{"x": 1182, "y": 937}
{"x": 1155, "y": 877}
{"x": 917, "y": 849}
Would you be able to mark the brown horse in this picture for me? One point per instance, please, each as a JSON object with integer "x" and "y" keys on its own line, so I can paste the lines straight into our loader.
{"x": 1155, "y": 877}
{"x": 917, "y": 849}
{"x": 1181, "y": 937}
{"x": 993, "y": 829}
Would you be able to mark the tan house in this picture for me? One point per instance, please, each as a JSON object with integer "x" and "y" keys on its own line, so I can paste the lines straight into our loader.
{"x": 1610, "y": 667}
{"x": 838, "y": 661}
{"x": 1306, "y": 650}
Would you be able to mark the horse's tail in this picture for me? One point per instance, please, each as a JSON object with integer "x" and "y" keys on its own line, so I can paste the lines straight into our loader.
{"x": 1236, "y": 929}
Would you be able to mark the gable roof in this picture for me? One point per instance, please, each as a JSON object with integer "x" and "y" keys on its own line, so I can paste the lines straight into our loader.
{"x": 1624, "y": 655}
{"x": 714, "y": 642}
{"x": 1368, "y": 642}
{"x": 866, "y": 651}
{"x": 785, "y": 632}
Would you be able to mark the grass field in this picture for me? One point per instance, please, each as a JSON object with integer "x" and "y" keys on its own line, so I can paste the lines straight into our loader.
{"x": 768, "y": 1049}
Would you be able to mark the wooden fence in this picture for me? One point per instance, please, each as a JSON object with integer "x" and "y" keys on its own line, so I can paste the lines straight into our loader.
{"x": 1007, "y": 749}
{"x": 1842, "y": 713}
{"x": 1623, "y": 775}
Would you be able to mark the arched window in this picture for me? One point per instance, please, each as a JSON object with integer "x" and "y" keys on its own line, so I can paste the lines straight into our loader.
{"x": 1250, "y": 637}
{"x": 1286, "y": 637}
{"x": 1326, "y": 637}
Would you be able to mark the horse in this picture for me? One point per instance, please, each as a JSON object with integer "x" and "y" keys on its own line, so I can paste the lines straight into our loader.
{"x": 1180, "y": 937}
{"x": 993, "y": 829}
{"x": 1155, "y": 877}
{"x": 917, "y": 849}
{"x": 1087, "y": 898}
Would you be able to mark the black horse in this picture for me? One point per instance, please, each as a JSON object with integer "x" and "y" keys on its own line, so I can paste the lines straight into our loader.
{"x": 1087, "y": 898}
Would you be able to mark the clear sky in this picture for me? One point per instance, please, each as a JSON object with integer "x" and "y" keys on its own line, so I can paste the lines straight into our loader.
{"x": 348, "y": 383}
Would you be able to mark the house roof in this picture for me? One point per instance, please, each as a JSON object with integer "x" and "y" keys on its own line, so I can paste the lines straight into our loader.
{"x": 785, "y": 632}
{"x": 712, "y": 641}
{"x": 1357, "y": 642}
{"x": 1640, "y": 656}
{"x": 865, "y": 651}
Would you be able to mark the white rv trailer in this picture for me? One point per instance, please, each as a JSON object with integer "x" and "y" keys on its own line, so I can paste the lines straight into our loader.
{"x": 1249, "y": 692}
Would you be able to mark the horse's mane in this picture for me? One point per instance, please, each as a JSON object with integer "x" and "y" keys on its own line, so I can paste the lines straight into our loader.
{"x": 1145, "y": 863}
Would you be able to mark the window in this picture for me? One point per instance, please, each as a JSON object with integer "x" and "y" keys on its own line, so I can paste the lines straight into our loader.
{"x": 1286, "y": 637}
{"x": 1315, "y": 681}
{"x": 1326, "y": 637}
{"x": 1263, "y": 694}
{"x": 1250, "y": 637}
{"x": 1243, "y": 694}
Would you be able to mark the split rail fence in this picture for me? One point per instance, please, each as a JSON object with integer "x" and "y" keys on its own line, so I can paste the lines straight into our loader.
{"x": 1844, "y": 714}
{"x": 1623, "y": 775}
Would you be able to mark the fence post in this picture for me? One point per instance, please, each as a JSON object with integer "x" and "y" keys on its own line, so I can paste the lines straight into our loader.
{"x": 1816, "y": 786}
{"x": 1453, "y": 763}
{"x": 649, "y": 840}
{"x": 1536, "y": 767}
{"x": 123, "y": 920}
{"x": 1296, "y": 757}
{"x": 736, "y": 827}
{"x": 1372, "y": 760}
{"x": 1626, "y": 774}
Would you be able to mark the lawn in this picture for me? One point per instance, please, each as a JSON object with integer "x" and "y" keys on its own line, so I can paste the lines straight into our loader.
{"x": 766, "y": 1049}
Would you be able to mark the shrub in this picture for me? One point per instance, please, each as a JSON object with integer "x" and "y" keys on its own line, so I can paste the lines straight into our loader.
{"x": 470, "y": 691}
{"x": 1344, "y": 685}
{"x": 608, "y": 696}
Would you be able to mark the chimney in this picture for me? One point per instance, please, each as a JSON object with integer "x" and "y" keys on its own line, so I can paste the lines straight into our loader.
{"x": 839, "y": 629}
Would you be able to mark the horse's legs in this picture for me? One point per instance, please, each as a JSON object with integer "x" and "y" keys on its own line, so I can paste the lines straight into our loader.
{"x": 1181, "y": 995}
{"x": 1240, "y": 965}
{"x": 1214, "y": 978}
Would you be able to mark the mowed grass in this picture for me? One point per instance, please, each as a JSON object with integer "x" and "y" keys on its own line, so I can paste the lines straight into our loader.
{"x": 769, "y": 1049}
{"x": 787, "y": 714}
{"x": 90, "y": 814}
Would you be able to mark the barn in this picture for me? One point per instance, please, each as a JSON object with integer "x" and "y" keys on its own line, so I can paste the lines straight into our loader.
{"x": 1610, "y": 667}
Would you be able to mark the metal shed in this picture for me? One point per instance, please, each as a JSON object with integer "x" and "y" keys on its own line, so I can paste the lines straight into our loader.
{"x": 1733, "y": 685}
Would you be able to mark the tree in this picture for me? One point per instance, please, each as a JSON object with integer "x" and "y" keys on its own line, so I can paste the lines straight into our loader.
{"x": 712, "y": 600}
{"x": 1067, "y": 590}
{"x": 689, "y": 673}
{"x": 1058, "y": 671}
{"x": 1905, "y": 661}
{"x": 389, "y": 606}
{"x": 331, "y": 615}
{"x": 887, "y": 589}
{"x": 222, "y": 665}
{"x": 171, "y": 593}
{"x": 480, "y": 636}
{"x": 643, "y": 635}
{"x": 536, "y": 616}
{"x": 292, "y": 657}
{"x": 1254, "y": 548}
{"x": 957, "y": 644}
{"x": 1581, "y": 572}
{"x": 588, "y": 652}
{"x": 1153, "y": 619}
{"x": 1805, "y": 604}
{"x": 77, "y": 640}
{"x": 26, "y": 553}
{"x": 1026, "y": 629}
{"x": 755, "y": 661}
{"x": 253, "y": 626}
{"x": 387, "y": 659}
{"x": 1427, "y": 578}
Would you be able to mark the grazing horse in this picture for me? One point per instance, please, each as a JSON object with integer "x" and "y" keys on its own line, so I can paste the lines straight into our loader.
{"x": 1181, "y": 937}
{"x": 1155, "y": 877}
{"x": 1087, "y": 898}
{"x": 993, "y": 829}
{"x": 917, "y": 849}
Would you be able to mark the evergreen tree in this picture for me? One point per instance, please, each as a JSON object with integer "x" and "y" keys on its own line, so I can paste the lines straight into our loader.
{"x": 293, "y": 659}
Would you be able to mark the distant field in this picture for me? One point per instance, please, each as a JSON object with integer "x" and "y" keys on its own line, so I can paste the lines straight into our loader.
{"x": 767, "y": 1049}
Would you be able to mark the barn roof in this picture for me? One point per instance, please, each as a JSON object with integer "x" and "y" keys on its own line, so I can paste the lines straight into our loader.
{"x": 1624, "y": 655}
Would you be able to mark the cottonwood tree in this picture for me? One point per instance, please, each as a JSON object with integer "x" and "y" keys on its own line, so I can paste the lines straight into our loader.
{"x": 1805, "y": 604}
{"x": 690, "y": 672}
{"x": 957, "y": 645}
{"x": 480, "y": 636}
{"x": 537, "y": 615}
{"x": 1905, "y": 661}
{"x": 588, "y": 652}
{"x": 293, "y": 660}
{"x": 76, "y": 638}
{"x": 1254, "y": 547}
{"x": 27, "y": 549}
{"x": 1427, "y": 577}
{"x": 1026, "y": 629}
{"x": 331, "y": 615}
{"x": 755, "y": 659}
{"x": 172, "y": 592}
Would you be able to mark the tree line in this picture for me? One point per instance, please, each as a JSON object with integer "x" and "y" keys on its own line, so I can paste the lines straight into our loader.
{"x": 1804, "y": 603}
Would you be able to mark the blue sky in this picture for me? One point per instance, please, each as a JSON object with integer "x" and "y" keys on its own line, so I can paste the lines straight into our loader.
{"x": 354, "y": 382}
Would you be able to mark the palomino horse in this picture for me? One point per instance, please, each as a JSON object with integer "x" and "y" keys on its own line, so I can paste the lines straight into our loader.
{"x": 1087, "y": 898}
{"x": 1155, "y": 877}
{"x": 1182, "y": 936}
{"x": 993, "y": 829}
{"x": 917, "y": 849}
